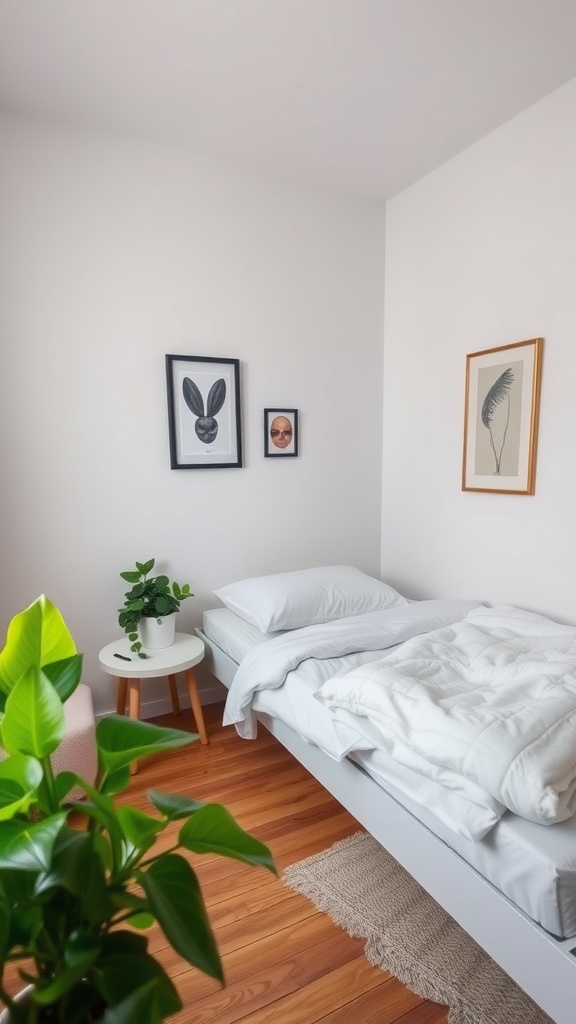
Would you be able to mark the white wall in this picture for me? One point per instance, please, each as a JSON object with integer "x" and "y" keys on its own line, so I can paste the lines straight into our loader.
{"x": 113, "y": 253}
{"x": 482, "y": 253}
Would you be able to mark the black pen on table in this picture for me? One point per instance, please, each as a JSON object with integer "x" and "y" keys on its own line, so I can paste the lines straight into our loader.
{"x": 122, "y": 657}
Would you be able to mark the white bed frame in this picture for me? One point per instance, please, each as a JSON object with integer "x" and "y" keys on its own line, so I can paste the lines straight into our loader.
{"x": 543, "y": 966}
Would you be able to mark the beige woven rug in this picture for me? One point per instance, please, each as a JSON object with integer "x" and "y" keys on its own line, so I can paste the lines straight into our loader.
{"x": 371, "y": 897}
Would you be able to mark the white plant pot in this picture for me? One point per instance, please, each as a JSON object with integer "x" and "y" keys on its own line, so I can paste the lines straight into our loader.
{"x": 157, "y": 633}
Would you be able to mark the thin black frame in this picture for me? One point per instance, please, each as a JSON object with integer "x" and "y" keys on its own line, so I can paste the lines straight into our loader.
{"x": 214, "y": 440}
{"x": 269, "y": 415}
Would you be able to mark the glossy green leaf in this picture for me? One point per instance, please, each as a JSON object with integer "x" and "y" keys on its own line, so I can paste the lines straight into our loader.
{"x": 213, "y": 830}
{"x": 116, "y": 782}
{"x": 142, "y": 920}
{"x": 64, "y": 782}
{"x": 65, "y": 675}
{"x": 173, "y": 806}
{"x": 81, "y": 947}
{"x": 163, "y": 605}
{"x": 28, "y": 847}
{"x": 67, "y": 977}
{"x": 140, "y": 831}
{"x": 19, "y": 907}
{"x": 76, "y": 869}
{"x": 100, "y": 808}
{"x": 176, "y": 901}
{"x": 36, "y": 636}
{"x": 121, "y": 741}
{"x": 16, "y": 887}
{"x": 19, "y": 779}
{"x": 145, "y": 567}
{"x": 128, "y": 899}
{"x": 121, "y": 974}
{"x": 34, "y": 722}
{"x": 140, "y": 1007}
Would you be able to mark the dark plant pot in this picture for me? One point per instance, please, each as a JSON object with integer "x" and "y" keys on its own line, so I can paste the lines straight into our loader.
{"x": 23, "y": 996}
{"x": 6, "y": 1017}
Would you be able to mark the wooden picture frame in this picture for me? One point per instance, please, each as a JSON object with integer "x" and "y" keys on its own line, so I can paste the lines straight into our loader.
{"x": 502, "y": 399}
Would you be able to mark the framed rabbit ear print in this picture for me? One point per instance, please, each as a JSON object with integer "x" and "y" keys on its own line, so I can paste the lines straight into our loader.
{"x": 501, "y": 418}
{"x": 204, "y": 412}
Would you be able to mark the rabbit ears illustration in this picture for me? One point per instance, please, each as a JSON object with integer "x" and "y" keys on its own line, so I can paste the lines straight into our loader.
{"x": 195, "y": 402}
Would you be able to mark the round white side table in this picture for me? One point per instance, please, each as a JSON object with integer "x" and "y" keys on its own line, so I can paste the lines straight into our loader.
{"x": 187, "y": 651}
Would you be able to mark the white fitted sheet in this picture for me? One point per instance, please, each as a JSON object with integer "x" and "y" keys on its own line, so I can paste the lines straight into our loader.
{"x": 234, "y": 635}
{"x": 533, "y": 865}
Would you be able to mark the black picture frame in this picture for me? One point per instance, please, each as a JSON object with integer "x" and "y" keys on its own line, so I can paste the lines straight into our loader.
{"x": 281, "y": 448}
{"x": 204, "y": 415}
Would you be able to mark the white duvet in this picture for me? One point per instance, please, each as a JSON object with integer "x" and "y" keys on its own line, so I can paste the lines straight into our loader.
{"x": 327, "y": 647}
{"x": 279, "y": 678}
{"x": 488, "y": 702}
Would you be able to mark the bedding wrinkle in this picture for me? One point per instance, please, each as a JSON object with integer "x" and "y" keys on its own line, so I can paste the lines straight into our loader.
{"x": 495, "y": 704}
{"x": 283, "y": 672}
{"x": 267, "y": 666}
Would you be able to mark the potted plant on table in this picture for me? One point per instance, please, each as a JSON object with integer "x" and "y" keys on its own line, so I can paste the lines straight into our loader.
{"x": 79, "y": 880}
{"x": 152, "y": 601}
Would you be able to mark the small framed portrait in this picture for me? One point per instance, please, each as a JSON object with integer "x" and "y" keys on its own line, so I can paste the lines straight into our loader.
{"x": 280, "y": 433}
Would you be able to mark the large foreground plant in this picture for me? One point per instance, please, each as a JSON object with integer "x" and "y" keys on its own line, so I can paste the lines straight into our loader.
{"x": 73, "y": 876}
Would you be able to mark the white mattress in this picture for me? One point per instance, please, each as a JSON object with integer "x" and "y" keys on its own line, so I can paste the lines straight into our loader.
{"x": 235, "y": 636}
{"x": 535, "y": 866}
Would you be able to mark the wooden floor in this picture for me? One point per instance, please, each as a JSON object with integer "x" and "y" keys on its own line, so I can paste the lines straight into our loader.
{"x": 285, "y": 963}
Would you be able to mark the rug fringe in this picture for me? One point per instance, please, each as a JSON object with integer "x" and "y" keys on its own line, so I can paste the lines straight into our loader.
{"x": 371, "y": 897}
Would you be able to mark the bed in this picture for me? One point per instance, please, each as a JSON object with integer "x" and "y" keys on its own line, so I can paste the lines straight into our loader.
{"x": 280, "y": 643}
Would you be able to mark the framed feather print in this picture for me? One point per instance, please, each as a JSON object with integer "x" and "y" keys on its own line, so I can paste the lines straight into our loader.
{"x": 501, "y": 418}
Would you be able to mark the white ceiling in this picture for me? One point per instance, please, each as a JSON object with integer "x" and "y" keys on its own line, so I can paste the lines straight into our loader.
{"x": 362, "y": 95}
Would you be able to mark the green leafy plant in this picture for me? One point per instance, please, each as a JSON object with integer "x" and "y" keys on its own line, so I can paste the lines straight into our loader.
{"x": 150, "y": 597}
{"x": 73, "y": 876}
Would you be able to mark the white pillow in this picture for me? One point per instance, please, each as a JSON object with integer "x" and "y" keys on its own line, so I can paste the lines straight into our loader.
{"x": 290, "y": 600}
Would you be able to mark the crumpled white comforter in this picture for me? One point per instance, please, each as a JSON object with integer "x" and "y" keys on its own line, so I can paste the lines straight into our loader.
{"x": 279, "y": 678}
{"x": 268, "y": 665}
{"x": 489, "y": 701}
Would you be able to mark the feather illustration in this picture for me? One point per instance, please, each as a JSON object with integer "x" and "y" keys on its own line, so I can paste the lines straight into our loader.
{"x": 497, "y": 393}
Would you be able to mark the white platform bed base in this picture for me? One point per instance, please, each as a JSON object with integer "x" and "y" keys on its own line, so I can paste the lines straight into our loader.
{"x": 542, "y": 965}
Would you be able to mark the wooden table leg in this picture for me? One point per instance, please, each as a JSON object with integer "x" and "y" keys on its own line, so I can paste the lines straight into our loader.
{"x": 134, "y": 710}
{"x": 195, "y": 704}
{"x": 134, "y": 698}
{"x": 121, "y": 697}
{"x": 174, "y": 694}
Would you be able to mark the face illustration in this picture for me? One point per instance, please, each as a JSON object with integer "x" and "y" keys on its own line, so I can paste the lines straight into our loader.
{"x": 281, "y": 432}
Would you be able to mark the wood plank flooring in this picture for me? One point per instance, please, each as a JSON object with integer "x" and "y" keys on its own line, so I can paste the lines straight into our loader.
{"x": 285, "y": 962}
